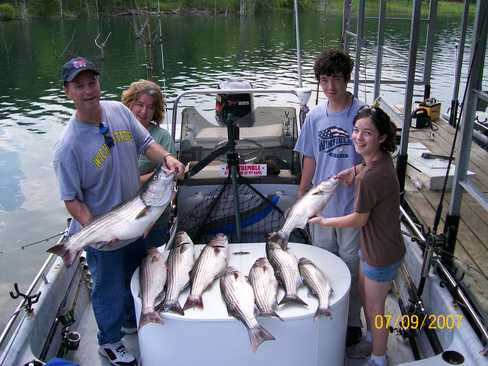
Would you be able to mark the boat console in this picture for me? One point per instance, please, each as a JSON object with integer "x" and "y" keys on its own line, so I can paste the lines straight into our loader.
{"x": 212, "y": 337}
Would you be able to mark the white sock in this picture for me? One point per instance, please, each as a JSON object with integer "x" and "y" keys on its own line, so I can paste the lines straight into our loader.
{"x": 368, "y": 336}
{"x": 378, "y": 360}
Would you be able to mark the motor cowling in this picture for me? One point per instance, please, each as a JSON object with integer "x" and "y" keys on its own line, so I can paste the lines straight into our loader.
{"x": 232, "y": 107}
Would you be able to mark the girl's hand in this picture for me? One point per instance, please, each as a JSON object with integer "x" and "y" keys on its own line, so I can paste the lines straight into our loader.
{"x": 318, "y": 220}
{"x": 346, "y": 177}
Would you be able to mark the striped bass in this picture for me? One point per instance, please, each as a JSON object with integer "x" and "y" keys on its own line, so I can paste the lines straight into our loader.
{"x": 238, "y": 296}
{"x": 265, "y": 286}
{"x": 179, "y": 263}
{"x": 152, "y": 279}
{"x": 285, "y": 266}
{"x": 318, "y": 284}
{"x": 124, "y": 223}
{"x": 310, "y": 205}
{"x": 211, "y": 264}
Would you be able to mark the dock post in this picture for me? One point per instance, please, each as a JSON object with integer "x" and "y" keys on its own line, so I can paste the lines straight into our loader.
{"x": 429, "y": 47}
{"x": 407, "y": 112}
{"x": 474, "y": 85}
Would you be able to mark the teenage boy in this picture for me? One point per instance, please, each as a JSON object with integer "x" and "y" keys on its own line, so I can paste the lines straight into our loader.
{"x": 327, "y": 149}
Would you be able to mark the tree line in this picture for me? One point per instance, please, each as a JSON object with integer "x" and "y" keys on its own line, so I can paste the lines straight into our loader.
{"x": 12, "y": 9}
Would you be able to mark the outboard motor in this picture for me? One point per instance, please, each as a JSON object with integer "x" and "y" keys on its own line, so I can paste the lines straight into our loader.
{"x": 230, "y": 108}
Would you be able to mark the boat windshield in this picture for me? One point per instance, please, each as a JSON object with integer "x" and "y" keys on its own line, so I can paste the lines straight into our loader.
{"x": 265, "y": 135}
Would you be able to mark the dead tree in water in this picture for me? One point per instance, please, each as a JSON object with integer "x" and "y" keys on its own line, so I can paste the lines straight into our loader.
{"x": 102, "y": 45}
{"x": 144, "y": 34}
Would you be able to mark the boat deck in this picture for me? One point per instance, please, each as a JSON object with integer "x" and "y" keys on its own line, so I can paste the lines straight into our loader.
{"x": 471, "y": 252}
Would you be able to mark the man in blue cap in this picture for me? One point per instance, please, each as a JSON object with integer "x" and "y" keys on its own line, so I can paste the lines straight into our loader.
{"x": 95, "y": 162}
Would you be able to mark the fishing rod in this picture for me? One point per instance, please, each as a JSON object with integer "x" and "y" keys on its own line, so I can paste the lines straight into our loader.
{"x": 31, "y": 244}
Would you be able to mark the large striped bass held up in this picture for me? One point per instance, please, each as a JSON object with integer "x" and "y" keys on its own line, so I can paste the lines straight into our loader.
{"x": 123, "y": 224}
{"x": 210, "y": 264}
{"x": 180, "y": 262}
{"x": 238, "y": 296}
{"x": 310, "y": 205}
{"x": 285, "y": 266}
{"x": 265, "y": 286}
{"x": 152, "y": 278}
{"x": 318, "y": 284}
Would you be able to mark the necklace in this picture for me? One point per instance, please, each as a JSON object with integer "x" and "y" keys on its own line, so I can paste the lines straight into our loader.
{"x": 348, "y": 109}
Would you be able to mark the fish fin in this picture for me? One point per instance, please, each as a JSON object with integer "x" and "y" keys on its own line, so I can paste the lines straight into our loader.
{"x": 281, "y": 238}
{"x": 258, "y": 335}
{"x": 287, "y": 212}
{"x": 276, "y": 315}
{"x": 150, "y": 317}
{"x": 321, "y": 311}
{"x": 160, "y": 298}
{"x": 175, "y": 307}
{"x": 271, "y": 313}
{"x": 292, "y": 299}
{"x": 193, "y": 301}
{"x": 142, "y": 213}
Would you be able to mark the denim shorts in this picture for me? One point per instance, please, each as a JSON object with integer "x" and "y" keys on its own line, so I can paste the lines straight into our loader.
{"x": 380, "y": 274}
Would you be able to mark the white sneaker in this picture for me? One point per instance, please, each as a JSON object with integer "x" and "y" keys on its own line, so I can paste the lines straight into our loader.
{"x": 372, "y": 363}
{"x": 117, "y": 354}
{"x": 360, "y": 350}
{"x": 129, "y": 330}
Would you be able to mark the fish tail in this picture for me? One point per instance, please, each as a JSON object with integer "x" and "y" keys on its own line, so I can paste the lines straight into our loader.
{"x": 171, "y": 306}
{"x": 58, "y": 249}
{"x": 258, "y": 335}
{"x": 322, "y": 312}
{"x": 150, "y": 317}
{"x": 62, "y": 250}
{"x": 193, "y": 301}
{"x": 271, "y": 313}
{"x": 292, "y": 299}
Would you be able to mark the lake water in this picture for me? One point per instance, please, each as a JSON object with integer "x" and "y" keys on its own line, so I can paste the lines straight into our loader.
{"x": 198, "y": 52}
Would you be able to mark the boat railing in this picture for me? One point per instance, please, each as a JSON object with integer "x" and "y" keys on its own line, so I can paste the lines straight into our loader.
{"x": 451, "y": 282}
{"x": 40, "y": 277}
{"x": 303, "y": 95}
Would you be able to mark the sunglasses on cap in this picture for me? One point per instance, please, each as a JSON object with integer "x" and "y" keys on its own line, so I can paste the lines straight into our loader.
{"x": 109, "y": 140}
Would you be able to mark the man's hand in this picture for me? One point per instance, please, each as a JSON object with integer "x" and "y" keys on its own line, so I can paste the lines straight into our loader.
{"x": 174, "y": 165}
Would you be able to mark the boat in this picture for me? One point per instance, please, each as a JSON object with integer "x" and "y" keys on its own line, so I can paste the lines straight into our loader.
{"x": 432, "y": 317}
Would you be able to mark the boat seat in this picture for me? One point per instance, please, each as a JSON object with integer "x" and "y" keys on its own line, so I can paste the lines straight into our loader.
{"x": 267, "y": 136}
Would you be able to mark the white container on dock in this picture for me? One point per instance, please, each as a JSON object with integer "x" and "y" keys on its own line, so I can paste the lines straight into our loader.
{"x": 212, "y": 337}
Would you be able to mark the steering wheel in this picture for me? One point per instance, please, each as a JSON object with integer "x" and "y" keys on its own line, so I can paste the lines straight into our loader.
{"x": 241, "y": 146}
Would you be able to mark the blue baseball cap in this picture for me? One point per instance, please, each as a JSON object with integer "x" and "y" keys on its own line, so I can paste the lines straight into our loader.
{"x": 76, "y": 65}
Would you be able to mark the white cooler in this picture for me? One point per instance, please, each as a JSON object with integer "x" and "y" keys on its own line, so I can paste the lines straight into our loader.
{"x": 212, "y": 337}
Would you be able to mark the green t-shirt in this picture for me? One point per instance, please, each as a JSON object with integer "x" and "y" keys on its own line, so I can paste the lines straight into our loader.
{"x": 163, "y": 138}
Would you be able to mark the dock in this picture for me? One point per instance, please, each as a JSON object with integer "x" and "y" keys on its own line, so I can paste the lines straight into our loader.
{"x": 471, "y": 253}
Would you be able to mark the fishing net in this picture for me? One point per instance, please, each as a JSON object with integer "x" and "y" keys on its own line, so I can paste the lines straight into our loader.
{"x": 215, "y": 213}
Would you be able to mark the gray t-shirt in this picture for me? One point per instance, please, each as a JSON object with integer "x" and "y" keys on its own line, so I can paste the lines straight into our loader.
{"x": 326, "y": 137}
{"x": 89, "y": 171}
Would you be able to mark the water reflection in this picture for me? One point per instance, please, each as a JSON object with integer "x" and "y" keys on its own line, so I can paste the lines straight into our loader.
{"x": 11, "y": 197}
